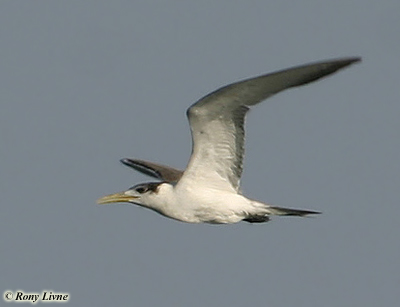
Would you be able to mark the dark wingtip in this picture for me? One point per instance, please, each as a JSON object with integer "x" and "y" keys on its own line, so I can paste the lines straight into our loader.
{"x": 142, "y": 166}
{"x": 347, "y": 61}
{"x": 351, "y": 60}
{"x": 126, "y": 161}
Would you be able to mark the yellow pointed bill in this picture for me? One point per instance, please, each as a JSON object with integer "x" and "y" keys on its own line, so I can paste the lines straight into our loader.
{"x": 120, "y": 197}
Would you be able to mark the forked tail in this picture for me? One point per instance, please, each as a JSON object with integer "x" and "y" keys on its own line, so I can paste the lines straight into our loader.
{"x": 268, "y": 211}
{"x": 291, "y": 212}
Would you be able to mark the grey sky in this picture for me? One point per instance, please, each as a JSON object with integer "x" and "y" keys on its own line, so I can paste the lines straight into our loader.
{"x": 85, "y": 83}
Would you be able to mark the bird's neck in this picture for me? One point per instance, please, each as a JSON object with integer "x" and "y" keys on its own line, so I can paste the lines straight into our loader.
{"x": 162, "y": 199}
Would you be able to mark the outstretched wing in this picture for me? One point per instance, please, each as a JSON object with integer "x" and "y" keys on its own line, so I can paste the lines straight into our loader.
{"x": 217, "y": 122}
{"x": 159, "y": 171}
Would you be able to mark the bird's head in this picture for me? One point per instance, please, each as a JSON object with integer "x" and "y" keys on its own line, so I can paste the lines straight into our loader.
{"x": 140, "y": 194}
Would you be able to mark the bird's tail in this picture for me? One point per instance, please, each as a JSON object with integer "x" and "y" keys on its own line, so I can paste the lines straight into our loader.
{"x": 291, "y": 212}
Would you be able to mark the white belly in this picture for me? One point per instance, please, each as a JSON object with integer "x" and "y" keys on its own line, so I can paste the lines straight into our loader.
{"x": 197, "y": 205}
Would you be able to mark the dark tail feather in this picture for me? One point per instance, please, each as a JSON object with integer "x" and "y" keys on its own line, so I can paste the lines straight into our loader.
{"x": 291, "y": 212}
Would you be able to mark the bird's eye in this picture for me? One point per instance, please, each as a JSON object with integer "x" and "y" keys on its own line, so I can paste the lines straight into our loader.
{"x": 140, "y": 190}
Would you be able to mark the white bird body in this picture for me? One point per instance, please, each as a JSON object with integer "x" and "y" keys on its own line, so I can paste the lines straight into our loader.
{"x": 208, "y": 191}
{"x": 197, "y": 204}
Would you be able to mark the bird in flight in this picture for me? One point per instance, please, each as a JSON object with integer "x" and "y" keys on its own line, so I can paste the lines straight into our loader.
{"x": 208, "y": 191}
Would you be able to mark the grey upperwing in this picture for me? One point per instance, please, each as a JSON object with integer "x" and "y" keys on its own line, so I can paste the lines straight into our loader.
{"x": 159, "y": 171}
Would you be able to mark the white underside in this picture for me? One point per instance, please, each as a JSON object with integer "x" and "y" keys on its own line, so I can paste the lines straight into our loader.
{"x": 194, "y": 204}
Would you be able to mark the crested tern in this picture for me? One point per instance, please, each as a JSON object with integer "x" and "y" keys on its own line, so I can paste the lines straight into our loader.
{"x": 208, "y": 191}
